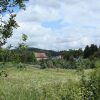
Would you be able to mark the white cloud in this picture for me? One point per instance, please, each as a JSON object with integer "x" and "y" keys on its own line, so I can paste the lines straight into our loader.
{"x": 80, "y": 23}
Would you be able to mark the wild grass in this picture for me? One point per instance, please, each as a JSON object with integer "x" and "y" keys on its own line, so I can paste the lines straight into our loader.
{"x": 37, "y": 84}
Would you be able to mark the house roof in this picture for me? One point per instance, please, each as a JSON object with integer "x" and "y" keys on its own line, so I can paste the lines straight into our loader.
{"x": 40, "y": 55}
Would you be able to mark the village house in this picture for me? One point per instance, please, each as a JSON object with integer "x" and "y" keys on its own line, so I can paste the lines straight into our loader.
{"x": 40, "y": 56}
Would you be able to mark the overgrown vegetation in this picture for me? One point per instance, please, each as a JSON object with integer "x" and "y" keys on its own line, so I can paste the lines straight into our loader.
{"x": 49, "y": 84}
{"x": 70, "y": 64}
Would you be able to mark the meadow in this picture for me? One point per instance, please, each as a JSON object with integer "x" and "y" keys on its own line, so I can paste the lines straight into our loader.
{"x": 32, "y": 83}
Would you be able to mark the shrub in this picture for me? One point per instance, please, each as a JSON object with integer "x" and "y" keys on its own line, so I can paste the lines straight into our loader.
{"x": 90, "y": 88}
{"x": 85, "y": 63}
{"x": 20, "y": 66}
{"x": 3, "y": 74}
{"x": 96, "y": 54}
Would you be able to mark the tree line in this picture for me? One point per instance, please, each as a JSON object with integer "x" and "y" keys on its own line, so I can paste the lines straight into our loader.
{"x": 24, "y": 54}
{"x": 88, "y": 52}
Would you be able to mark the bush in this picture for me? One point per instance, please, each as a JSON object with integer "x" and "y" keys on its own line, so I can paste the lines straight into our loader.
{"x": 20, "y": 66}
{"x": 56, "y": 63}
{"x": 61, "y": 63}
{"x": 96, "y": 54}
{"x": 85, "y": 63}
{"x": 90, "y": 88}
{"x": 3, "y": 74}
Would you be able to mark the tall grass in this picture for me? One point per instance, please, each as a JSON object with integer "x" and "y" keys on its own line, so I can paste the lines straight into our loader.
{"x": 48, "y": 84}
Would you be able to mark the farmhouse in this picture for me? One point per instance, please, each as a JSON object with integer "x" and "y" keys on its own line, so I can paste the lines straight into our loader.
{"x": 40, "y": 56}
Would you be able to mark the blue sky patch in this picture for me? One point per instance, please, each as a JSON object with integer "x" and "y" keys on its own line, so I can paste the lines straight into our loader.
{"x": 52, "y": 24}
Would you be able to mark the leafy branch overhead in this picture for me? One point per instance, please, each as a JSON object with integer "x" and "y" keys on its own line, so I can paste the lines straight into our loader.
{"x": 7, "y": 4}
{"x": 6, "y": 27}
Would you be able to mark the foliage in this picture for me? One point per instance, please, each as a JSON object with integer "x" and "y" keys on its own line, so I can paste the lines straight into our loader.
{"x": 89, "y": 51}
{"x": 73, "y": 64}
{"x": 20, "y": 66}
{"x": 6, "y": 5}
{"x": 24, "y": 37}
{"x": 6, "y": 29}
{"x": 69, "y": 55}
{"x": 7, "y": 26}
{"x": 3, "y": 74}
{"x": 90, "y": 88}
{"x": 52, "y": 84}
{"x": 85, "y": 63}
{"x": 96, "y": 54}
{"x": 17, "y": 56}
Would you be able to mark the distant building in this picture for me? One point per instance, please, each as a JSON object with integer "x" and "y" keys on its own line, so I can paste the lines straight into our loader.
{"x": 40, "y": 56}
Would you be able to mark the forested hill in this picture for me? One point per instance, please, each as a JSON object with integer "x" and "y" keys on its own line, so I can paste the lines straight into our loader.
{"x": 51, "y": 52}
{"x": 89, "y": 51}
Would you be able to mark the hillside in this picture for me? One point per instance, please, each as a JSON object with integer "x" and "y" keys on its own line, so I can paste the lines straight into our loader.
{"x": 50, "y": 52}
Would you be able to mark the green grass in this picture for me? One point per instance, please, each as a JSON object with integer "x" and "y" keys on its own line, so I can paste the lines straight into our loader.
{"x": 37, "y": 84}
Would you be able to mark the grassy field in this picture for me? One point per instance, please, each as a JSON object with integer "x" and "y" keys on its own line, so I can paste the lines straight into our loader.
{"x": 37, "y": 84}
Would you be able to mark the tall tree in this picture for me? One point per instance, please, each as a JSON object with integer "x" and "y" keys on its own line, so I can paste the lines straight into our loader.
{"x": 93, "y": 49}
{"x": 89, "y": 51}
{"x": 86, "y": 52}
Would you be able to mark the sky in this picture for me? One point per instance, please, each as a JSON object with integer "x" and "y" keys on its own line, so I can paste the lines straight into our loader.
{"x": 58, "y": 24}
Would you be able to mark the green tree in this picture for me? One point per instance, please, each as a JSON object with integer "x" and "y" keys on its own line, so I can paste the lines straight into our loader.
{"x": 86, "y": 52}
{"x": 97, "y": 54}
{"x": 22, "y": 48}
{"x": 69, "y": 55}
{"x": 89, "y": 51}
{"x": 93, "y": 49}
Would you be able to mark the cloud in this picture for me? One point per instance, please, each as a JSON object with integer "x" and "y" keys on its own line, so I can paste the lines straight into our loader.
{"x": 59, "y": 24}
